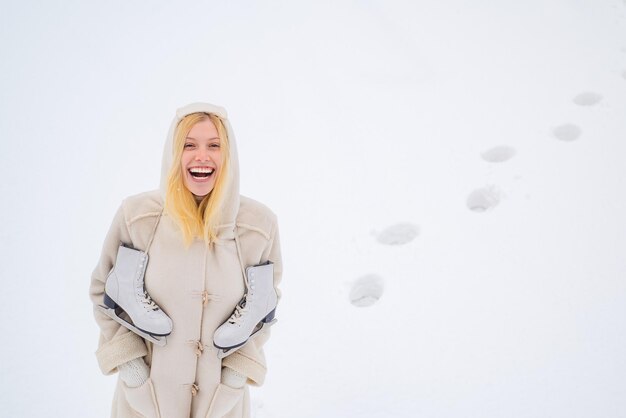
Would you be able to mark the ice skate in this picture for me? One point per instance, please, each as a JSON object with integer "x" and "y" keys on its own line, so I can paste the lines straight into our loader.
{"x": 125, "y": 290}
{"x": 255, "y": 311}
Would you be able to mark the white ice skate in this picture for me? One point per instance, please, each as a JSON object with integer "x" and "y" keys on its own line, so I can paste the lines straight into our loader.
{"x": 253, "y": 312}
{"x": 125, "y": 289}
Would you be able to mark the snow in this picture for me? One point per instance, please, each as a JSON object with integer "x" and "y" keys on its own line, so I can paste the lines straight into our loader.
{"x": 458, "y": 167}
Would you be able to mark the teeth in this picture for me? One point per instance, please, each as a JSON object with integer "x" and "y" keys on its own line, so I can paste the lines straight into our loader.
{"x": 201, "y": 170}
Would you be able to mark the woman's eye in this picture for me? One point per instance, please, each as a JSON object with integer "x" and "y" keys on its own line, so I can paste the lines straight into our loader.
{"x": 215, "y": 145}
{"x": 188, "y": 145}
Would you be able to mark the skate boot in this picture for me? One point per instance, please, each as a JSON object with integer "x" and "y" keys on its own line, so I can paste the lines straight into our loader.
{"x": 125, "y": 289}
{"x": 252, "y": 313}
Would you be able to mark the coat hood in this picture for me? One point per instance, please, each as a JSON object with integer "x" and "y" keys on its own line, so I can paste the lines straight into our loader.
{"x": 231, "y": 201}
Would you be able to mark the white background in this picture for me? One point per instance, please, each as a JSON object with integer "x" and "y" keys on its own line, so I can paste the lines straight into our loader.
{"x": 350, "y": 117}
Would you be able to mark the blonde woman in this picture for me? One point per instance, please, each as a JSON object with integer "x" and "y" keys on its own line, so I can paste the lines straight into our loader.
{"x": 200, "y": 234}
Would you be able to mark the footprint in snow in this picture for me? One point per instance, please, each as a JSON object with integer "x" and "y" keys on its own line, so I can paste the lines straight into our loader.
{"x": 398, "y": 234}
{"x": 567, "y": 132}
{"x": 366, "y": 290}
{"x": 588, "y": 98}
{"x": 483, "y": 199}
{"x": 498, "y": 154}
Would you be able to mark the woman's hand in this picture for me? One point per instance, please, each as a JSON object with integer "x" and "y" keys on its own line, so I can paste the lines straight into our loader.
{"x": 232, "y": 378}
{"x": 134, "y": 372}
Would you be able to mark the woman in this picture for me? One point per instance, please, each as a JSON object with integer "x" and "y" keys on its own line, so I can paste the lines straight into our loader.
{"x": 203, "y": 234}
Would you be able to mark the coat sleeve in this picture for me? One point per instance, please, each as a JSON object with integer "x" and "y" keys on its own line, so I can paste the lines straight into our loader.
{"x": 249, "y": 360}
{"x": 117, "y": 344}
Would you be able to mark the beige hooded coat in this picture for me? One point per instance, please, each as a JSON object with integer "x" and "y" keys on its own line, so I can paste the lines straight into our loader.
{"x": 198, "y": 288}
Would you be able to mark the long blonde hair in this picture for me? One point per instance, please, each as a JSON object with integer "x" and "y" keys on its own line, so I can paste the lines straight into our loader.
{"x": 196, "y": 220}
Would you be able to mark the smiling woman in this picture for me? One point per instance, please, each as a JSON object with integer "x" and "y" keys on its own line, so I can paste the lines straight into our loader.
{"x": 201, "y": 144}
{"x": 202, "y": 156}
{"x": 210, "y": 259}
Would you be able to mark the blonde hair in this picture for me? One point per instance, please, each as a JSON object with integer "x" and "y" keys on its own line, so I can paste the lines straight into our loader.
{"x": 196, "y": 220}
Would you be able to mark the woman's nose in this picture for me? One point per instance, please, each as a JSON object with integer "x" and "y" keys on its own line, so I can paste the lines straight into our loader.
{"x": 202, "y": 155}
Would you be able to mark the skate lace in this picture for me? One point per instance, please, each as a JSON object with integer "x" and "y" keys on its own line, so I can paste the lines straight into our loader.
{"x": 240, "y": 309}
{"x": 148, "y": 302}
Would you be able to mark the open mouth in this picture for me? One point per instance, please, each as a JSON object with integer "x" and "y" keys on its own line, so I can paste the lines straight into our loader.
{"x": 201, "y": 173}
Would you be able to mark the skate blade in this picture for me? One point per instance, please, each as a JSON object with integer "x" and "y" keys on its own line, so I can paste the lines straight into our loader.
{"x": 225, "y": 352}
{"x": 160, "y": 341}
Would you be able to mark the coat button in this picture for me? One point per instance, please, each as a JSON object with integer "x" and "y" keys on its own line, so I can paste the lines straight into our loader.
{"x": 199, "y": 348}
{"x": 194, "y": 389}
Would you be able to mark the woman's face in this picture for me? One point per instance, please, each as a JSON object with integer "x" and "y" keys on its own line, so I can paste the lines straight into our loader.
{"x": 201, "y": 160}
